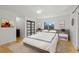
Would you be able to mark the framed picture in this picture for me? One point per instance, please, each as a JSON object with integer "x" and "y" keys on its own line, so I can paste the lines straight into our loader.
{"x": 61, "y": 24}
{"x": 6, "y": 23}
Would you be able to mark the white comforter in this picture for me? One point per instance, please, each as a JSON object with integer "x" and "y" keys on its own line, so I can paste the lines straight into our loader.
{"x": 44, "y": 36}
{"x": 48, "y": 46}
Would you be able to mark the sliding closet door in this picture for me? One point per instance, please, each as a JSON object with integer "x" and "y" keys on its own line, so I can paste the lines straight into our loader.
{"x": 30, "y": 27}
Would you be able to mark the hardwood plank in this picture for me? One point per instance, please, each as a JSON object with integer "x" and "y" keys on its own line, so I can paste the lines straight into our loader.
{"x": 4, "y": 49}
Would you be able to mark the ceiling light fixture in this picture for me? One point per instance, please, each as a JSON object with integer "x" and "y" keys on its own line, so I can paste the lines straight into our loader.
{"x": 39, "y": 11}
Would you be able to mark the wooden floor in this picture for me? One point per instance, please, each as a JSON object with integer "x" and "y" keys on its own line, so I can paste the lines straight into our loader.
{"x": 4, "y": 48}
{"x": 65, "y": 47}
{"x": 62, "y": 47}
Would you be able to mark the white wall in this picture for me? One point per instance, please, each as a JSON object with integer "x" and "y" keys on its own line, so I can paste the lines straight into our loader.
{"x": 78, "y": 28}
{"x": 74, "y": 30}
{"x": 57, "y": 19}
{"x": 7, "y": 35}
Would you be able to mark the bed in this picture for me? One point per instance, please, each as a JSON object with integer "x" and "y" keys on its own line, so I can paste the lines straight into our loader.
{"x": 43, "y": 40}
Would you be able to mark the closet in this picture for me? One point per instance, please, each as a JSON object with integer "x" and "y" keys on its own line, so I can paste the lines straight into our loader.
{"x": 30, "y": 27}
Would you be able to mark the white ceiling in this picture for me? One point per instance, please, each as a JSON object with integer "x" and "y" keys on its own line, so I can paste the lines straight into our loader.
{"x": 30, "y": 10}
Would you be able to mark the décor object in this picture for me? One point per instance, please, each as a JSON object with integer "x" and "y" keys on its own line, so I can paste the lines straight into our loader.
{"x": 62, "y": 24}
{"x": 6, "y": 23}
{"x": 72, "y": 21}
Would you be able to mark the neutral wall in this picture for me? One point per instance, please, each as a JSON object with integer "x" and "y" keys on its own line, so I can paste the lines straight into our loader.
{"x": 78, "y": 27}
{"x": 74, "y": 30}
{"x": 7, "y": 35}
{"x": 66, "y": 19}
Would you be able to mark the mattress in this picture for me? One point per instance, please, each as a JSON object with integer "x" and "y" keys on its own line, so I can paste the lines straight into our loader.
{"x": 45, "y": 41}
{"x": 43, "y": 36}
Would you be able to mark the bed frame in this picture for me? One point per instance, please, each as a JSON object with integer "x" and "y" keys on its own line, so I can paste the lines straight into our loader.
{"x": 40, "y": 50}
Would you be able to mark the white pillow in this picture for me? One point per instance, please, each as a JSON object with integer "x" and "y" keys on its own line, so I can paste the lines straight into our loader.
{"x": 52, "y": 30}
{"x": 45, "y": 30}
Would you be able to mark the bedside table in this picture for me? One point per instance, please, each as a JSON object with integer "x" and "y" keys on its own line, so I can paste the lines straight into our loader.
{"x": 64, "y": 35}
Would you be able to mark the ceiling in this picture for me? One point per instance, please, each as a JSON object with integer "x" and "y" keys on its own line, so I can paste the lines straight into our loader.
{"x": 30, "y": 10}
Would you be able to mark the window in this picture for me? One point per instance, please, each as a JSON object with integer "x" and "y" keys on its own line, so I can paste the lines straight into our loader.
{"x": 48, "y": 25}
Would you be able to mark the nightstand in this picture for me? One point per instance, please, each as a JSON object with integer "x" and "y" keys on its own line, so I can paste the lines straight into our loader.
{"x": 64, "y": 35}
